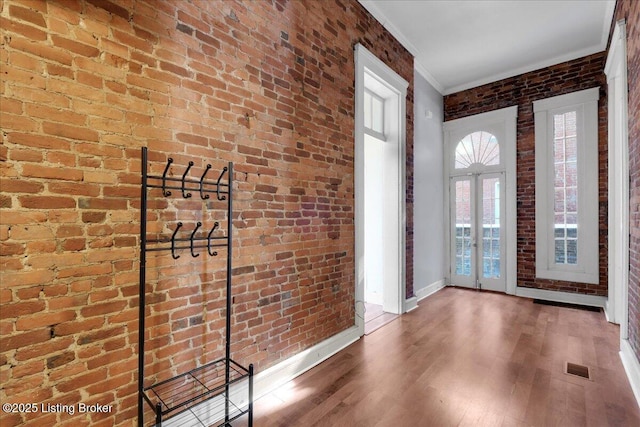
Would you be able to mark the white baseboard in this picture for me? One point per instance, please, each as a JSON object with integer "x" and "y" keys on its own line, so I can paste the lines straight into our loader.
{"x": 422, "y": 293}
{"x": 429, "y": 290}
{"x": 631, "y": 366}
{"x": 410, "y": 304}
{"x": 565, "y": 297}
{"x": 607, "y": 309}
{"x": 267, "y": 380}
{"x": 275, "y": 376}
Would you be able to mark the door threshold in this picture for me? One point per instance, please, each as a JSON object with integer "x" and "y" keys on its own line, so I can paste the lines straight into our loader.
{"x": 380, "y": 321}
{"x": 477, "y": 290}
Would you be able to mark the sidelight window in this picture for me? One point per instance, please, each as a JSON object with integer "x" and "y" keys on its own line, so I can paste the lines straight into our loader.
{"x": 566, "y": 138}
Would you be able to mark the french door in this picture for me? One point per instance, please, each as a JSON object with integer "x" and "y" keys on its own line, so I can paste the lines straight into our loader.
{"x": 477, "y": 231}
{"x": 480, "y": 217}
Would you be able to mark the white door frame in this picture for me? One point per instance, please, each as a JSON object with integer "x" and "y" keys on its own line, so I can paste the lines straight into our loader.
{"x": 367, "y": 63}
{"x": 504, "y": 117}
{"x": 616, "y": 71}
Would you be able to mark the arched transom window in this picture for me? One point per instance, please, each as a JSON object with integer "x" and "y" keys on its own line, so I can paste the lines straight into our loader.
{"x": 480, "y": 148}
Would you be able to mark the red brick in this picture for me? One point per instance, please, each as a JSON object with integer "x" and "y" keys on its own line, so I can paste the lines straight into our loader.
{"x": 21, "y": 309}
{"x": 40, "y": 95}
{"x": 26, "y": 278}
{"x": 71, "y": 132}
{"x": 82, "y": 381}
{"x": 46, "y": 202}
{"x": 73, "y": 46}
{"x": 28, "y": 64}
{"x": 39, "y": 171}
{"x": 24, "y": 339}
{"x": 62, "y": 159}
{"x": 42, "y": 50}
{"x": 43, "y": 319}
{"x": 74, "y": 188}
{"x": 103, "y": 308}
{"x": 20, "y": 28}
{"x": 28, "y": 15}
{"x": 85, "y": 270}
{"x": 60, "y": 70}
{"x": 23, "y": 187}
{"x": 55, "y": 114}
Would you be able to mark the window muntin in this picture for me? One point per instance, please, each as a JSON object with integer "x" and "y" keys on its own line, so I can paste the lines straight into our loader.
{"x": 477, "y": 148}
{"x": 373, "y": 112}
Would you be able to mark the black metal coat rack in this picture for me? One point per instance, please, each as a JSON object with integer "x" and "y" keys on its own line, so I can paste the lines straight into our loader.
{"x": 183, "y": 392}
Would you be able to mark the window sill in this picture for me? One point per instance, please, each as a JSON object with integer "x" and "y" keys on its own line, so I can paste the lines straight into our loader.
{"x": 569, "y": 276}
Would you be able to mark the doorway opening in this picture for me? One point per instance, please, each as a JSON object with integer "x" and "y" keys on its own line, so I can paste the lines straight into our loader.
{"x": 380, "y": 189}
{"x": 481, "y": 202}
{"x": 380, "y": 220}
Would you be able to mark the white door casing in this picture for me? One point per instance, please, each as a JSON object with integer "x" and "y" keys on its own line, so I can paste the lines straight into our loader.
{"x": 500, "y": 124}
{"x": 374, "y": 75}
{"x": 616, "y": 72}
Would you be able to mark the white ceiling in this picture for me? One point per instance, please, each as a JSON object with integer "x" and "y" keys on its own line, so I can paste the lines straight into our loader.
{"x": 460, "y": 44}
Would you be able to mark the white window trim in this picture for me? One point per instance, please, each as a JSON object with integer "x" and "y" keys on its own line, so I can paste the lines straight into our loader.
{"x": 585, "y": 103}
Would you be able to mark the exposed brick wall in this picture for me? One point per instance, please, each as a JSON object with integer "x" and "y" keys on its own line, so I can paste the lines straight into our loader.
{"x": 410, "y": 193}
{"x": 522, "y": 90}
{"x": 268, "y": 85}
{"x": 630, "y": 10}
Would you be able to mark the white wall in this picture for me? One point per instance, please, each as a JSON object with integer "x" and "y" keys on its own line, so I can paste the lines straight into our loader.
{"x": 428, "y": 220}
{"x": 373, "y": 221}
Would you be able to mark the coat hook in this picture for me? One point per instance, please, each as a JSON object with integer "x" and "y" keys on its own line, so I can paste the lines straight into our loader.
{"x": 193, "y": 234}
{"x": 173, "y": 242}
{"x": 224, "y": 170}
{"x": 165, "y": 192}
{"x": 212, "y": 253}
{"x": 184, "y": 177}
{"x": 202, "y": 195}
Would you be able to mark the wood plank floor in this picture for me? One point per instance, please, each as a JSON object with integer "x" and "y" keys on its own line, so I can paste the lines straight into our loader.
{"x": 466, "y": 358}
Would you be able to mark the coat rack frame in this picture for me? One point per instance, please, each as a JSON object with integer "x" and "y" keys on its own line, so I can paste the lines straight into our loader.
{"x": 216, "y": 382}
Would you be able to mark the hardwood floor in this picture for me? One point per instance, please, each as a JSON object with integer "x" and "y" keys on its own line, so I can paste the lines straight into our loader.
{"x": 466, "y": 358}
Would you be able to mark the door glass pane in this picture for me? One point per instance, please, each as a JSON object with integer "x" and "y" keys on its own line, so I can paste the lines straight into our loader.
{"x": 491, "y": 228}
{"x": 463, "y": 228}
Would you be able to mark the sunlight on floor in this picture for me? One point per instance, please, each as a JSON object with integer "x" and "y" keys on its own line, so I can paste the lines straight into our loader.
{"x": 283, "y": 396}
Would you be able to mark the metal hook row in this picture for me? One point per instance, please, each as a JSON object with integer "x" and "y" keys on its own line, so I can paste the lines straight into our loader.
{"x": 185, "y": 180}
{"x": 192, "y": 239}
